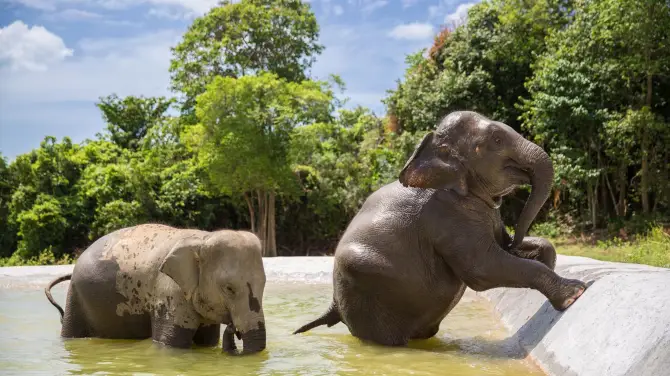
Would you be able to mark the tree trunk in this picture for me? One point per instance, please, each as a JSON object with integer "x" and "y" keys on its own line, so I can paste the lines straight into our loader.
{"x": 252, "y": 219}
{"x": 592, "y": 199}
{"x": 622, "y": 189}
{"x": 594, "y": 209}
{"x": 611, "y": 192}
{"x": 271, "y": 249}
{"x": 262, "y": 228}
{"x": 644, "y": 181}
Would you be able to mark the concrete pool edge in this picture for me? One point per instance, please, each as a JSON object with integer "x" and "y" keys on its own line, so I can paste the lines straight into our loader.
{"x": 586, "y": 340}
{"x": 619, "y": 327}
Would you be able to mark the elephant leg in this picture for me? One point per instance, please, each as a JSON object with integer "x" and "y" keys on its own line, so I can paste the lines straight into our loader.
{"x": 426, "y": 333}
{"x": 207, "y": 335}
{"x": 491, "y": 267}
{"x": 75, "y": 323}
{"x": 538, "y": 249}
{"x": 174, "y": 322}
{"x": 170, "y": 334}
{"x": 368, "y": 318}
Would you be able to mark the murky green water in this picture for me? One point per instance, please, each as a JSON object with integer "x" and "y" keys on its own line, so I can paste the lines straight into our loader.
{"x": 470, "y": 342}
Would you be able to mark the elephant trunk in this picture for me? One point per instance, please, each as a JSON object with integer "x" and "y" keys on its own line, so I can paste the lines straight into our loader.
{"x": 541, "y": 171}
{"x": 253, "y": 340}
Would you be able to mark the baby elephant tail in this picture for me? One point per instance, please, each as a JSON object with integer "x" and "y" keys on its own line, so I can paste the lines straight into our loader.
{"x": 47, "y": 291}
{"x": 330, "y": 318}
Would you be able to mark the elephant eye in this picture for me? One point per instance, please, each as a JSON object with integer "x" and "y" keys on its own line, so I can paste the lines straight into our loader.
{"x": 230, "y": 290}
{"x": 497, "y": 140}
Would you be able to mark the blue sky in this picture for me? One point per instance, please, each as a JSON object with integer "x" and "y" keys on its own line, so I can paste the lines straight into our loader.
{"x": 57, "y": 57}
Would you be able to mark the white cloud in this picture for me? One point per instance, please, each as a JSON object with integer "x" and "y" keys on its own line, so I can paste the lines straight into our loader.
{"x": 338, "y": 10}
{"x": 409, "y": 3}
{"x": 30, "y": 48}
{"x": 189, "y": 7}
{"x": 412, "y": 31}
{"x": 369, "y": 6}
{"x": 460, "y": 15}
{"x": 73, "y": 15}
{"x": 126, "y": 66}
{"x": 445, "y": 8}
{"x": 37, "y": 4}
{"x": 168, "y": 13}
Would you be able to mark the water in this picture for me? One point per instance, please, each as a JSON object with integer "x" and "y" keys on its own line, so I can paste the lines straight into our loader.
{"x": 470, "y": 342}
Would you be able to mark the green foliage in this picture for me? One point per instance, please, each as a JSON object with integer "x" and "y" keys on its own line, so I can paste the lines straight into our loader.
{"x": 40, "y": 227}
{"x": 249, "y": 121}
{"x": 129, "y": 119}
{"x": 245, "y": 37}
{"x": 45, "y": 257}
{"x": 115, "y": 215}
{"x": 651, "y": 248}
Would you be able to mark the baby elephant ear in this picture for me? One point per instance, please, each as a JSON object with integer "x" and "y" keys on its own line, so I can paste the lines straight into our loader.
{"x": 428, "y": 168}
{"x": 181, "y": 264}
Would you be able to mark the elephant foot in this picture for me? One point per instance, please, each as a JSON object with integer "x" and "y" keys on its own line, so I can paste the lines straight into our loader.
{"x": 569, "y": 292}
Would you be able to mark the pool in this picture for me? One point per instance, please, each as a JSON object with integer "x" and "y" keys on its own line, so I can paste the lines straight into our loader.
{"x": 471, "y": 341}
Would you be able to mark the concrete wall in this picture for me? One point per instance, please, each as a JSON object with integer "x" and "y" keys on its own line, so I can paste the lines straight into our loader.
{"x": 619, "y": 327}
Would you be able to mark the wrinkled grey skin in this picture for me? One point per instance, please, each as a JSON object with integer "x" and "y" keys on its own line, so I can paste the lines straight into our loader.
{"x": 176, "y": 286}
{"x": 405, "y": 259}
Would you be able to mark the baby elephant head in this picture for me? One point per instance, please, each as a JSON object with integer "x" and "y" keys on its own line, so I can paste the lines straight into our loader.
{"x": 223, "y": 276}
{"x": 473, "y": 155}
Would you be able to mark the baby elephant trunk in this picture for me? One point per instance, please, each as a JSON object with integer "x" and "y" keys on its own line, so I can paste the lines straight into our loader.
{"x": 253, "y": 340}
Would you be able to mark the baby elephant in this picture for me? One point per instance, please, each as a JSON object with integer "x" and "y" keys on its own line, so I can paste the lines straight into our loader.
{"x": 174, "y": 285}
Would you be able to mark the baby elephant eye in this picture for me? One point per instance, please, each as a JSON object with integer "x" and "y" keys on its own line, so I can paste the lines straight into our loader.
{"x": 497, "y": 140}
{"x": 230, "y": 290}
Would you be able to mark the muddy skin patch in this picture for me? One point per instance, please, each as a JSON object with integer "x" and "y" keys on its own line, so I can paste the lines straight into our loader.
{"x": 254, "y": 304}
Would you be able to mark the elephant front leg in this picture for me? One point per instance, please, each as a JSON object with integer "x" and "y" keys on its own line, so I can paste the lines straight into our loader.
{"x": 538, "y": 249}
{"x": 532, "y": 248}
{"x": 488, "y": 266}
{"x": 174, "y": 326}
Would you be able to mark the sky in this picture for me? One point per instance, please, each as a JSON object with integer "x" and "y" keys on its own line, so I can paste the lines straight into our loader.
{"x": 58, "y": 57}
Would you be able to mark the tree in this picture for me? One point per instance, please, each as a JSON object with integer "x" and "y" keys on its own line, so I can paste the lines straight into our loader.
{"x": 481, "y": 65}
{"x": 243, "y": 139}
{"x": 129, "y": 119}
{"x": 591, "y": 92}
{"x": 245, "y": 37}
{"x": 7, "y": 234}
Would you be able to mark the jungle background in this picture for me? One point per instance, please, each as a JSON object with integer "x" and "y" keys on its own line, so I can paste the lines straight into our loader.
{"x": 251, "y": 141}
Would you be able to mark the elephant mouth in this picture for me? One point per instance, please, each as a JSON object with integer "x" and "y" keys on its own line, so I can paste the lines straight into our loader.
{"x": 519, "y": 175}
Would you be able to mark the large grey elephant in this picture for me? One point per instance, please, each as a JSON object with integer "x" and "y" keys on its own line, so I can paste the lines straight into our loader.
{"x": 406, "y": 258}
{"x": 176, "y": 286}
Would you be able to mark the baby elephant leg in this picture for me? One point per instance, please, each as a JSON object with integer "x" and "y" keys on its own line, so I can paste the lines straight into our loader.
{"x": 175, "y": 325}
{"x": 538, "y": 249}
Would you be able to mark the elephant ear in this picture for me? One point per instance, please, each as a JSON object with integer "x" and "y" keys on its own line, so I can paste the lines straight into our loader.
{"x": 181, "y": 264}
{"x": 430, "y": 167}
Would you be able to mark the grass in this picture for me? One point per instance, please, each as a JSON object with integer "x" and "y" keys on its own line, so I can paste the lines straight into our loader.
{"x": 45, "y": 258}
{"x": 651, "y": 248}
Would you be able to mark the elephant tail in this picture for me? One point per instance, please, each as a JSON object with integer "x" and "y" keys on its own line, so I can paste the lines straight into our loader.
{"x": 47, "y": 291}
{"x": 330, "y": 318}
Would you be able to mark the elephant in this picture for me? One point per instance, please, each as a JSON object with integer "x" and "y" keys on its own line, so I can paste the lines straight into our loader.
{"x": 176, "y": 286}
{"x": 415, "y": 244}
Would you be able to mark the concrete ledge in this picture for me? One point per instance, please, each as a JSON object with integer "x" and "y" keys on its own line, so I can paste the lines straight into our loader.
{"x": 619, "y": 327}
{"x": 277, "y": 269}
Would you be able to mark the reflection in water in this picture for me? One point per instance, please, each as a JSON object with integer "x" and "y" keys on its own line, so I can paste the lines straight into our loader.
{"x": 470, "y": 342}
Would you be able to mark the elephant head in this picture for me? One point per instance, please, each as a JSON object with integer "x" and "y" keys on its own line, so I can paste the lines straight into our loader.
{"x": 223, "y": 277}
{"x": 473, "y": 155}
